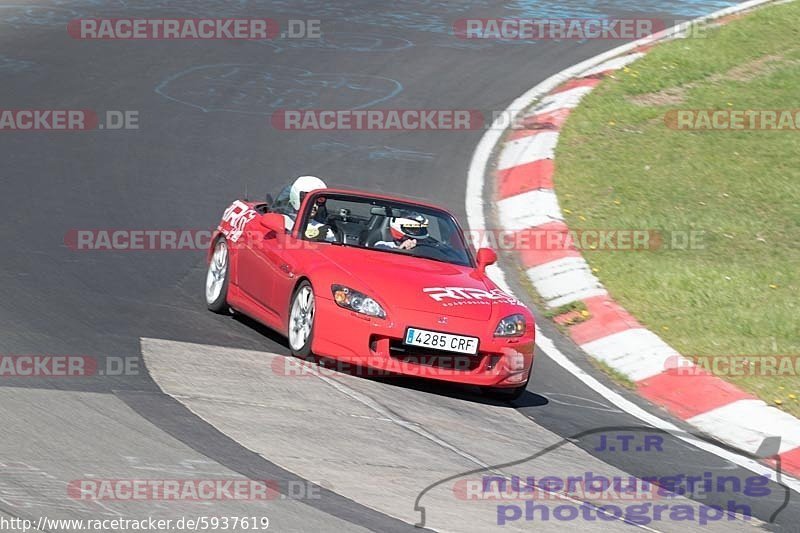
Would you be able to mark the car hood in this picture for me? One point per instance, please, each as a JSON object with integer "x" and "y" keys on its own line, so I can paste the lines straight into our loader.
{"x": 413, "y": 283}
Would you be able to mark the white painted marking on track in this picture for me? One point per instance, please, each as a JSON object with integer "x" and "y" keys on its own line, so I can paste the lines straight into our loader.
{"x": 637, "y": 352}
{"x": 727, "y": 422}
{"x": 528, "y": 149}
{"x": 528, "y": 210}
{"x": 568, "y": 99}
{"x": 565, "y": 281}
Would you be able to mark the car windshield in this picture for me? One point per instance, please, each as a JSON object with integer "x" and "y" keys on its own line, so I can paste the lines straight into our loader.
{"x": 281, "y": 202}
{"x": 386, "y": 226}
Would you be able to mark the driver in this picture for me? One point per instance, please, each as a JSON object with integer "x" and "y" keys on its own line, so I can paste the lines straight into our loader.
{"x": 406, "y": 229}
{"x": 316, "y": 229}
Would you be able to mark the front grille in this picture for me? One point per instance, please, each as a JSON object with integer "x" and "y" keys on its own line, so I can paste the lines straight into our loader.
{"x": 444, "y": 360}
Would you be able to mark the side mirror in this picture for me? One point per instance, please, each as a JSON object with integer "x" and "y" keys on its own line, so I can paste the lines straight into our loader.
{"x": 273, "y": 222}
{"x": 486, "y": 257}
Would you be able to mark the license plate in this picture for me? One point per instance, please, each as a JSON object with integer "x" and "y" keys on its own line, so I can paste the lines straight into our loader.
{"x": 441, "y": 341}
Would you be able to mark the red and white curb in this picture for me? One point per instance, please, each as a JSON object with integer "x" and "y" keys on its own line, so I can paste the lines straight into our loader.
{"x": 525, "y": 200}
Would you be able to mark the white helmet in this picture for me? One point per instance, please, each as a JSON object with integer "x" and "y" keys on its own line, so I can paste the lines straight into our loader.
{"x": 301, "y": 186}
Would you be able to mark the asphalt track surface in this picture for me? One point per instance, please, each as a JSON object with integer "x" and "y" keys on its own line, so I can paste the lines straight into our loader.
{"x": 204, "y": 138}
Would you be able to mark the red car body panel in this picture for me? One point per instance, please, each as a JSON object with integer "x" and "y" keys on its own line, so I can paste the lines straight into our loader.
{"x": 266, "y": 266}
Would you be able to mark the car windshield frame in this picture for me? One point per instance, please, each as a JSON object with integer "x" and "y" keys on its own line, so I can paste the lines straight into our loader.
{"x": 376, "y": 201}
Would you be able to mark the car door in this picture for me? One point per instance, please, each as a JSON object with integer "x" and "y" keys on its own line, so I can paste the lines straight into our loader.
{"x": 282, "y": 254}
{"x": 256, "y": 272}
{"x": 268, "y": 268}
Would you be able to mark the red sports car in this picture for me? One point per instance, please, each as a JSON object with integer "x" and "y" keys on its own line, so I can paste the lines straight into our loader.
{"x": 373, "y": 281}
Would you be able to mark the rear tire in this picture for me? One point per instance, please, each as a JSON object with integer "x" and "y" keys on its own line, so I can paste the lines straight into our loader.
{"x": 300, "y": 330}
{"x": 217, "y": 277}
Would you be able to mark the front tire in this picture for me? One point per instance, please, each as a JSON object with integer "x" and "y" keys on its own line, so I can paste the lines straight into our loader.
{"x": 217, "y": 277}
{"x": 301, "y": 320}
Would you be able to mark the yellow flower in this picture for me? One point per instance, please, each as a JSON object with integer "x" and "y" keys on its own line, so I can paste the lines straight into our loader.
{"x": 665, "y": 328}
{"x": 595, "y": 270}
{"x": 773, "y": 286}
{"x": 612, "y": 123}
{"x": 568, "y": 211}
{"x": 617, "y": 202}
{"x": 793, "y": 396}
{"x": 584, "y": 313}
{"x": 730, "y": 104}
{"x": 778, "y": 402}
{"x": 582, "y": 217}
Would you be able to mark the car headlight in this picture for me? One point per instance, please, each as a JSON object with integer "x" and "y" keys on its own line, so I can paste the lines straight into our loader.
{"x": 356, "y": 301}
{"x": 511, "y": 326}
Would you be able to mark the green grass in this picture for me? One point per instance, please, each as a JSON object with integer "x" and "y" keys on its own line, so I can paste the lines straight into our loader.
{"x": 619, "y": 166}
{"x": 574, "y": 306}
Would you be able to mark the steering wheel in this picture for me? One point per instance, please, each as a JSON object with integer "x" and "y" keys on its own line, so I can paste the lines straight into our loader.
{"x": 434, "y": 250}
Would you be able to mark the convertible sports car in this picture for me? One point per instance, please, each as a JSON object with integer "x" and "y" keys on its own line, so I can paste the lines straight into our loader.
{"x": 342, "y": 284}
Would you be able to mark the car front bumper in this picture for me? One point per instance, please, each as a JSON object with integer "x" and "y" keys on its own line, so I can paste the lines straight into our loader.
{"x": 377, "y": 344}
